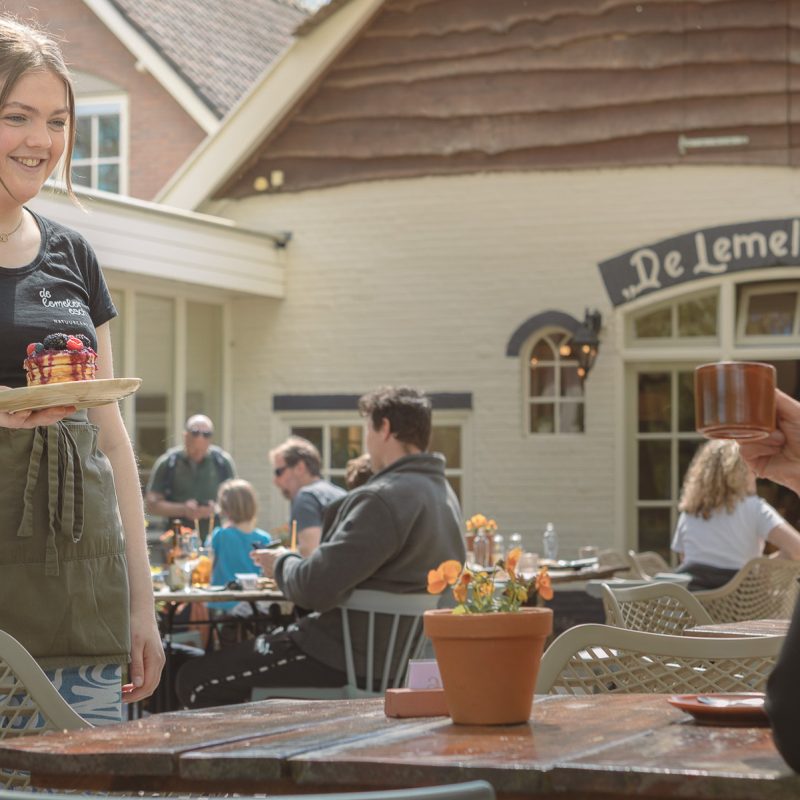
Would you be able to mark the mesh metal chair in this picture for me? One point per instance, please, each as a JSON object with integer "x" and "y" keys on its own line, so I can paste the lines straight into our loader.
{"x": 646, "y": 564}
{"x": 764, "y": 588}
{"x": 611, "y": 558}
{"x": 657, "y": 608}
{"x": 29, "y": 703}
{"x": 597, "y": 659}
{"x": 406, "y": 641}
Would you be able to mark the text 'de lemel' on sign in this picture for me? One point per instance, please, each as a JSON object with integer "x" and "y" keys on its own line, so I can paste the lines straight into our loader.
{"x": 700, "y": 254}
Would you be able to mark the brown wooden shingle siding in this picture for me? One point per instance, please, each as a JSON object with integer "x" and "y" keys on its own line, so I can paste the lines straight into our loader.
{"x": 454, "y": 86}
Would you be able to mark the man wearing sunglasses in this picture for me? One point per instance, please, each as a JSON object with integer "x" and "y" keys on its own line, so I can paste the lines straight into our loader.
{"x": 184, "y": 480}
{"x": 297, "y": 470}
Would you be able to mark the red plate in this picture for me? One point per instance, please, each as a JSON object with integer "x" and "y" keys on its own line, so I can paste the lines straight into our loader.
{"x": 737, "y": 708}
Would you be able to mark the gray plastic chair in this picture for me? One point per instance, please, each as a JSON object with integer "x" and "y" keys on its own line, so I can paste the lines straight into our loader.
{"x": 598, "y": 659}
{"x": 405, "y": 642}
{"x": 29, "y": 703}
{"x": 471, "y": 790}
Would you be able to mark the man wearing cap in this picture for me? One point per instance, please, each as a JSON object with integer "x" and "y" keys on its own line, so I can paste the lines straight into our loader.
{"x": 184, "y": 480}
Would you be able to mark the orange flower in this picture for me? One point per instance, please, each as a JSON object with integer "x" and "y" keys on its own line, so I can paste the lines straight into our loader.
{"x": 451, "y": 570}
{"x": 436, "y": 581}
{"x": 513, "y": 559}
{"x": 446, "y": 574}
{"x": 460, "y": 592}
{"x": 543, "y": 584}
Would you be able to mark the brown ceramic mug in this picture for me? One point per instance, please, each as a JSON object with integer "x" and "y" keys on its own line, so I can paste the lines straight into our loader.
{"x": 734, "y": 400}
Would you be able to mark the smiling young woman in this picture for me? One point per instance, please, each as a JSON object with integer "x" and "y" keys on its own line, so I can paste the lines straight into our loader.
{"x": 75, "y": 583}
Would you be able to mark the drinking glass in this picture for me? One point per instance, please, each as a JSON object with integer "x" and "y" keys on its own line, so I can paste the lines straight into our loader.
{"x": 528, "y": 565}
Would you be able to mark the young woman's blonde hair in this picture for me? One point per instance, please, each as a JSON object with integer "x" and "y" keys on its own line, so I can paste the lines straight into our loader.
{"x": 716, "y": 478}
{"x": 237, "y": 501}
{"x": 23, "y": 49}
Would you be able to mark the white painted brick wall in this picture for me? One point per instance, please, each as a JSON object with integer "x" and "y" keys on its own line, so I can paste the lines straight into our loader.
{"x": 424, "y": 281}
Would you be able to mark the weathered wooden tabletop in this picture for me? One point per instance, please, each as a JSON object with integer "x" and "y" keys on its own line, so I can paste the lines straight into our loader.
{"x": 600, "y": 746}
{"x": 747, "y": 627}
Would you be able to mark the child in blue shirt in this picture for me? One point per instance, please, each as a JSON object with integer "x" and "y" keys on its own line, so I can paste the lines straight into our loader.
{"x": 233, "y": 542}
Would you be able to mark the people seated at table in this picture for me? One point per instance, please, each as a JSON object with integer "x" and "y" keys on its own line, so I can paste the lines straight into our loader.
{"x": 778, "y": 458}
{"x": 233, "y": 542}
{"x": 723, "y": 522}
{"x": 386, "y": 536}
{"x": 297, "y": 468}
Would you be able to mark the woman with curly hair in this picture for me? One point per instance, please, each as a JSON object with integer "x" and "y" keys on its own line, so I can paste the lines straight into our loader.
{"x": 723, "y": 522}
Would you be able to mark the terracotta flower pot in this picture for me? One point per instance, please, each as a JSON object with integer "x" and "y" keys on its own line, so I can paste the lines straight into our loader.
{"x": 489, "y": 662}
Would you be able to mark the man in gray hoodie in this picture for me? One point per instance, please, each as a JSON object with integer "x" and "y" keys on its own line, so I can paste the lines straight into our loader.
{"x": 386, "y": 536}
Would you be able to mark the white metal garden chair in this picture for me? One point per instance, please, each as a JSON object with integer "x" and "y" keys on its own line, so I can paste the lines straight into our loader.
{"x": 29, "y": 703}
{"x": 660, "y": 607}
{"x": 597, "y": 659}
{"x": 646, "y": 564}
{"x": 764, "y": 588}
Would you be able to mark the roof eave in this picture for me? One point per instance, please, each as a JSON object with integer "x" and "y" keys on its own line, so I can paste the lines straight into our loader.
{"x": 155, "y": 64}
{"x": 264, "y": 107}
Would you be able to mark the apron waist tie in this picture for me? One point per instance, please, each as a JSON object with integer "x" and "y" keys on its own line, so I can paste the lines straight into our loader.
{"x": 64, "y": 489}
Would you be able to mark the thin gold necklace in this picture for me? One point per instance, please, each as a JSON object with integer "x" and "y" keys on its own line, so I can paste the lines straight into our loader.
{"x": 4, "y": 236}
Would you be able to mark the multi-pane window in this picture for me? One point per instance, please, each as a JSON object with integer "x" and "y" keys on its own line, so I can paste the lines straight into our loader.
{"x": 692, "y": 318}
{"x": 98, "y": 160}
{"x": 768, "y": 312}
{"x": 338, "y": 442}
{"x": 555, "y": 390}
{"x": 666, "y": 442}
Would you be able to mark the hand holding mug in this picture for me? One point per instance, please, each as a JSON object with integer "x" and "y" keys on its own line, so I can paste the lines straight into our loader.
{"x": 777, "y": 457}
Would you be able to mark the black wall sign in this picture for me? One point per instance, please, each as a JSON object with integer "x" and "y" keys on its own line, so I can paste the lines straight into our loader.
{"x": 712, "y": 251}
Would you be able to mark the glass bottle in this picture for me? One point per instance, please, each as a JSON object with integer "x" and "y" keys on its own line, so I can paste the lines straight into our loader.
{"x": 482, "y": 549}
{"x": 498, "y": 548}
{"x": 550, "y": 542}
{"x": 514, "y": 541}
{"x": 178, "y": 556}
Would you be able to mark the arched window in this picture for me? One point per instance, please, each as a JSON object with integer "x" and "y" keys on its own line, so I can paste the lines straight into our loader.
{"x": 555, "y": 390}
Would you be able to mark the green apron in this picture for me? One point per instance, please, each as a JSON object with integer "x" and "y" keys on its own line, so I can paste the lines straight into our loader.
{"x": 63, "y": 574}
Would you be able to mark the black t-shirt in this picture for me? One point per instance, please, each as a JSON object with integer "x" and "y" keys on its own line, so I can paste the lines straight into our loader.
{"x": 61, "y": 290}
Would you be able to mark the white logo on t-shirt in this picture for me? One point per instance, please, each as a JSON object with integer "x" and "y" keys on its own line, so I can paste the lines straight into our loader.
{"x": 74, "y": 307}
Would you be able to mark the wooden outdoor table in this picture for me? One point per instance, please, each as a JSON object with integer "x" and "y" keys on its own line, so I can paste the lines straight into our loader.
{"x": 596, "y": 748}
{"x": 747, "y": 627}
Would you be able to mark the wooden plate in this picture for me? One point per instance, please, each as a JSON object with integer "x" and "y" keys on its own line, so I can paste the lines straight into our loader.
{"x": 737, "y": 708}
{"x": 81, "y": 394}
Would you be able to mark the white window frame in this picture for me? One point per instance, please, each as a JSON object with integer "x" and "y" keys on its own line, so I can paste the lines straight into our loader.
{"x": 753, "y": 289}
{"x": 113, "y": 102}
{"x": 130, "y": 289}
{"x": 556, "y": 399}
{"x": 673, "y": 339}
{"x": 326, "y": 420}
